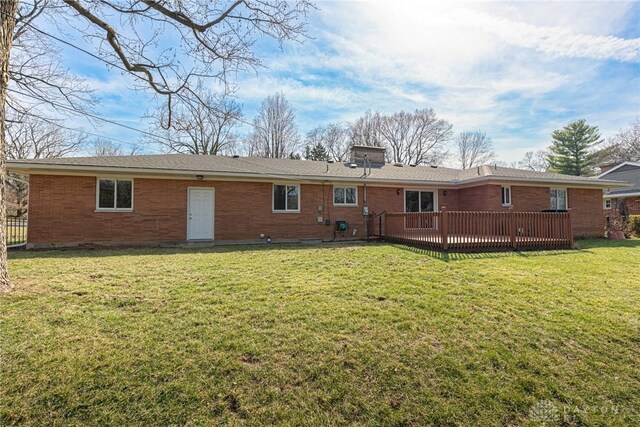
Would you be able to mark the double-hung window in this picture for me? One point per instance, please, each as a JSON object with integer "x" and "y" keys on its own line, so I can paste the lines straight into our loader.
{"x": 345, "y": 196}
{"x": 559, "y": 199}
{"x": 114, "y": 194}
{"x": 286, "y": 198}
{"x": 506, "y": 196}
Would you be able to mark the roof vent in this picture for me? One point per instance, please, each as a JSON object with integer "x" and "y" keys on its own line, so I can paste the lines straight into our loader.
{"x": 236, "y": 156}
{"x": 398, "y": 164}
{"x": 478, "y": 170}
{"x": 353, "y": 165}
{"x": 330, "y": 161}
{"x": 413, "y": 165}
{"x": 434, "y": 166}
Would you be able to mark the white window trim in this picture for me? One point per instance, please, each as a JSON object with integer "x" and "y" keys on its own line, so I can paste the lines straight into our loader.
{"x": 436, "y": 206}
{"x": 566, "y": 196}
{"x": 609, "y": 202}
{"x": 510, "y": 195}
{"x": 345, "y": 196}
{"x": 108, "y": 178}
{"x": 273, "y": 202}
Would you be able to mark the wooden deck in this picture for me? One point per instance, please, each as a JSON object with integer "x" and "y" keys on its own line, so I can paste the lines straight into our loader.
{"x": 475, "y": 231}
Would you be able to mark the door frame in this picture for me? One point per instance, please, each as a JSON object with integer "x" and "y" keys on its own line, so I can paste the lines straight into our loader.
{"x": 213, "y": 211}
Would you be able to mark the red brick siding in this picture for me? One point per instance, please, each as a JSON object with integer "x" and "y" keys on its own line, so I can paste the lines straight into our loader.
{"x": 633, "y": 203}
{"x": 587, "y": 217}
{"x": 62, "y": 210}
{"x": 480, "y": 198}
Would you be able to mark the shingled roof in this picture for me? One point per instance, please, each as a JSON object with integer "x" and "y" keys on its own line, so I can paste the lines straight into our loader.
{"x": 628, "y": 172}
{"x": 255, "y": 167}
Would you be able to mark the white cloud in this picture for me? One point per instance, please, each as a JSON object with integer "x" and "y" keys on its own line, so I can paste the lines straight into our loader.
{"x": 514, "y": 70}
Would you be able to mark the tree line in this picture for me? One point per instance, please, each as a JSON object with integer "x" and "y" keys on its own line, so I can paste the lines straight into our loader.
{"x": 413, "y": 137}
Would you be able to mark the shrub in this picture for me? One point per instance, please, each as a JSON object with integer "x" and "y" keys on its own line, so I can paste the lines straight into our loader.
{"x": 634, "y": 225}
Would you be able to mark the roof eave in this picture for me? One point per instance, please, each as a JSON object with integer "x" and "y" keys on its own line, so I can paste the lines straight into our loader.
{"x": 590, "y": 183}
{"x": 621, "y": 195}
{"x": 27, "y": 168}
{"x": 613, "y": 169}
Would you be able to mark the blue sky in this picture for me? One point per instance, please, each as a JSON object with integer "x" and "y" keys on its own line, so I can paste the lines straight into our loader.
{"x": 514, "y": 70}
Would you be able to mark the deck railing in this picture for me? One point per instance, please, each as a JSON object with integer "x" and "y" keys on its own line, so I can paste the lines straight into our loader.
{"x": 16, "y": 231}
{"x": 470, "y": 230}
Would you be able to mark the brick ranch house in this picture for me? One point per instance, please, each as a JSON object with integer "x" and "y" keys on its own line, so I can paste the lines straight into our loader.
{"x": 175, "y": 198}
{"x": 615, "y": 197}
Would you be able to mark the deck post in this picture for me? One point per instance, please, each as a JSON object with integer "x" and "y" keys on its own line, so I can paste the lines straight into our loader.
{"x": 512, "y": 228}
{"x": 570, "y": 227}
{"x": 443, "y": 229}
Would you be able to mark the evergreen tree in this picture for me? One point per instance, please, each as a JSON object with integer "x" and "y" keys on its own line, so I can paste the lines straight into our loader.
{"x": 571, "y": 148}
{"x": 316, "y": 152}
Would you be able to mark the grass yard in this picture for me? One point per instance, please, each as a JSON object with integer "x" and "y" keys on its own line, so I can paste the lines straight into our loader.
{"x": 322, "y": 335}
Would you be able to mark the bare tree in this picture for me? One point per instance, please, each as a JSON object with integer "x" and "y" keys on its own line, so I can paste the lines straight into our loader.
{"x": 101, "y": 147}
{"x": 535, "y": 161}
{"x": 8, "y": 10}
{"x": 275, "y": 134}
{"x": 366, "y": 130}
{"x": 214, "y": 39}
{"x": 39, "y": 80}
{"x": 334, "y": 137}
{"x": 623, "y": 146}
{"x": 30, "y": 137}
{"x": 415, "y": 138}
{"x": 474, "y": 149}
{"x": 201, "y": 129}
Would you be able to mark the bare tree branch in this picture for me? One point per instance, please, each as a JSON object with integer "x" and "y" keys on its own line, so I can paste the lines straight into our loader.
{"x": 474, "y": 149}
{"x": 204, "y": 127}
{"x": 275, "y": 133}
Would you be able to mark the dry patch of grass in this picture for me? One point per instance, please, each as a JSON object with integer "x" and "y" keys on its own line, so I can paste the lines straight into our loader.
{"x": 322, "y": 335}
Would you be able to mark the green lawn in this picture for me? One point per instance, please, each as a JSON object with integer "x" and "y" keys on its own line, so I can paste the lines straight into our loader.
{"x": 322, "y": 335}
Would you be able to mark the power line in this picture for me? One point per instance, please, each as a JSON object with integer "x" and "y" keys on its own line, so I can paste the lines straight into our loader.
{"x": 253, "y": 125}
{"x": 93, "y": 55}
{"x": 82, "y": 131}
{"x": 94, "y": 116}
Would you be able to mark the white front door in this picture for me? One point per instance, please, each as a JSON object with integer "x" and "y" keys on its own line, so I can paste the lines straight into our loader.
{"x": 200, "y": 214}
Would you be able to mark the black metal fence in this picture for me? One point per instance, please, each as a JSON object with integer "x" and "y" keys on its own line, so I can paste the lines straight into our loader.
{"x": 16, "y": 231}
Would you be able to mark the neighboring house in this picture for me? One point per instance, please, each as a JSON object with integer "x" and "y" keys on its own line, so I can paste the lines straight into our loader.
{"x": 616, "y": 198}
{"x": 152, "y": 199}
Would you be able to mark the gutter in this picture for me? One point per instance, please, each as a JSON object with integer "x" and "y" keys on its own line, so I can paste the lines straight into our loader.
{"x": 620, "y": 195}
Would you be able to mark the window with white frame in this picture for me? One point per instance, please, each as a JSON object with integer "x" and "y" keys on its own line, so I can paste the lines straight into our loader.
{"x": 114, "y": 194}
{"x": 286, "y": 198}
{"x": 506, "y": 195}
{"x": 347, "y": 196}
{"x": 610, "y": 203}
{"x": 558, "y": 199}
